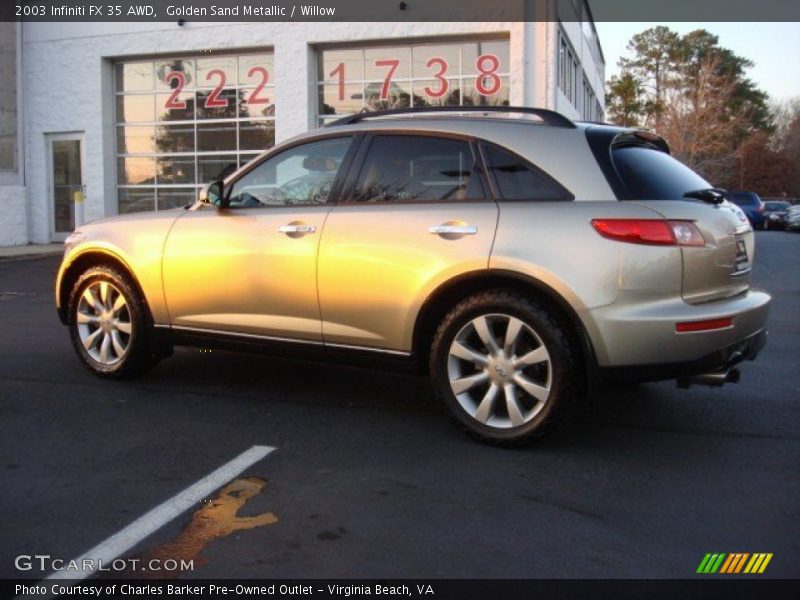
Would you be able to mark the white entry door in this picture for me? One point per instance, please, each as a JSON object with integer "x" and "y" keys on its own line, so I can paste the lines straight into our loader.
{"x": 65, "y": 158}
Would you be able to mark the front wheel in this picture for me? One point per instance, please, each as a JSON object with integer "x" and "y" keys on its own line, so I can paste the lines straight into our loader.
{"x": 108, "y": 324}
{"x": 505, "y": 368}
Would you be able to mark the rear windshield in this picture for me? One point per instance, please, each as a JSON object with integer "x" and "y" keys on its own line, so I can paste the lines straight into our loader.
{"x": 651, "y": 174}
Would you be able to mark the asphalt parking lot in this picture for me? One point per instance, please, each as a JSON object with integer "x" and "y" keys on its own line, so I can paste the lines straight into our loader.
{"x": 370, "y": 479}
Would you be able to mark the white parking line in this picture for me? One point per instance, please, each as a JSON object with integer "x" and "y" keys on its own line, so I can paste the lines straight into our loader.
{"x": 121, "y": 542}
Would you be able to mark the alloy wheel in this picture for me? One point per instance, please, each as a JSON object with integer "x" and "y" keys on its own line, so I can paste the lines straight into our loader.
{"x": 499, "y": 370}
{"x": 104, "y": 322}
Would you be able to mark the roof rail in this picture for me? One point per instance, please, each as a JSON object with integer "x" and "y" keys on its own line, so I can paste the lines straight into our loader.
{"x": 548, "y": 117}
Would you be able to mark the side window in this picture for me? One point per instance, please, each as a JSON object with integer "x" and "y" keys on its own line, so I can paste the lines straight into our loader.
{"x": 519, "y": 180}
{"x": 300, "y": 175}
{"x": 412, "y": 168}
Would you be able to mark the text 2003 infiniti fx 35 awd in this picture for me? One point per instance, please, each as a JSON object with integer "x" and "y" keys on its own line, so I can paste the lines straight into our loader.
{"x": 513, "y": 253}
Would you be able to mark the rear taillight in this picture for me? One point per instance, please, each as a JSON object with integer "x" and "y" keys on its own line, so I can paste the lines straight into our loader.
{"x": 654, "y": 232}
{"x": 760, "y": 209}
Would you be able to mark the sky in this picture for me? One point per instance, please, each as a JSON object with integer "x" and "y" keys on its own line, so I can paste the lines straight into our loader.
{"x": 773, "y": 47}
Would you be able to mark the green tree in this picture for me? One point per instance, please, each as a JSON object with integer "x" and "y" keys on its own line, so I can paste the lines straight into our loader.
{"x": 700, "y": 47}
{"x": 695, "y": 94}
{"x": 655, "y": 55}
{"x": 624, "y": 100}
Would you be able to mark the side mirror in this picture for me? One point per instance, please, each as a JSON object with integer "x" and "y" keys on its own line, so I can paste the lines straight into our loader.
{"x": 213, "y": 193}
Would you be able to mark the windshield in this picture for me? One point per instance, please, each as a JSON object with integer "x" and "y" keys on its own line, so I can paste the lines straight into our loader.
{"x": 651, "y": 174}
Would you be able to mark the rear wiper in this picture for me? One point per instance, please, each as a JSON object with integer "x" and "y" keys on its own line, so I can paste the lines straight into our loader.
{"x": 710, "y": 195}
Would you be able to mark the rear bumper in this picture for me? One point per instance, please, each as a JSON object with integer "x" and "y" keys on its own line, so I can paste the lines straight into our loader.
{"x": 746, "y": 349}
{"x": 639, "y": 330}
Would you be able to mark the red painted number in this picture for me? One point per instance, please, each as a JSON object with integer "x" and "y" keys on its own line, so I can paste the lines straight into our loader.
{"x": 173, "y": 102}
{"x": 254, "y": 98}
{"x": 392, "y": 63}
{"x": 487, "y": 74}
{"x": 213, "y": 100}
{"x": 439, "y": 75}
{"x": 339, "y": 72}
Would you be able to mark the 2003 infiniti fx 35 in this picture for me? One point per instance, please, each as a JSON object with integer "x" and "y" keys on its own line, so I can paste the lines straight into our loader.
{"x": 512, "y": 253}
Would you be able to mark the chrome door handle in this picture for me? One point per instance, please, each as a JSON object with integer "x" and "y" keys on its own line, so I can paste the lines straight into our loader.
{"x": 297, "y": 228}
{"x": 453, "y": 229}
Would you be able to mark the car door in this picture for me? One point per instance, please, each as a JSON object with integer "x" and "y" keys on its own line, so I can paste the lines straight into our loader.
{"x": 414, "y": 213}
{"x": 250, "y": 268}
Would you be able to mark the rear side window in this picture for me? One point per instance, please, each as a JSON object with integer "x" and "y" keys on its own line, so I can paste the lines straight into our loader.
{"x": 651, "y": 174}
{"x": 411, "y": 168}
{"x": 517, "y": 179}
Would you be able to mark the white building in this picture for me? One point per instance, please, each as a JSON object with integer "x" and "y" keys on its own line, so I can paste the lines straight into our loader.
{"x": 137, "y": 116}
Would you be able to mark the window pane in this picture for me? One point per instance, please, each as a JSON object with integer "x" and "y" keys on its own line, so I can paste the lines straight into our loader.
{"x": 64, "y": 207}
{"x": 495, "y": 58}
{"x": 256, "y": 135}
{"x": 215, "y": 167}
{"x": 218, "y": 71}
{"x": 492, "y": 92}
{"x": 174, "y": 74}
{"x": 256, "y": 68}
{"x": 254, "y": 103}
{"x": 168, "y": 199}
{"x": 378, "y": 96}
{"x": 137, "y": 108}
{"x": 341, "y": 100}
{"x": 347, "y": 65}
{"x": 439, "y": 59}
{"x": 133, "y": 200}
{"x": 136, "y": 170}
{"x": 380, "y": 63}
{"x": 175, "y": 169}
{"x": 213, "y": 137}
{"x": 175, "y": 107}
{"x": 518, "y": 180}
{"x": 134, "y": 77}
{"x": 135, "y": 140}
{"x": 416, "y": 168}
{"x": 8, "y": 96}
{"x": 175, "y": 138}
{"x": 437, "y": 93}
{"x": 213, "y": 104}
{"x": 300, "y": 175}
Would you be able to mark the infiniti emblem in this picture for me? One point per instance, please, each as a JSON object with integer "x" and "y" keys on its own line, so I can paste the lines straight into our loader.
{"x": 500, "y": 371}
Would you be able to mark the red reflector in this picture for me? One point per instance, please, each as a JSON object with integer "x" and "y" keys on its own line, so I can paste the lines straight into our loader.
{"x": 638, "y": 231}
{"x": 703, "y": 325}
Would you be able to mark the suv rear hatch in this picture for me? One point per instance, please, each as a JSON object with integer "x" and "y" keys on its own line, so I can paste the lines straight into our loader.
{"x": 648, "y": 175}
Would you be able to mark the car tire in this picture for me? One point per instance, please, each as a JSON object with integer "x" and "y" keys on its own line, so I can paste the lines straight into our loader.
{"x": 505, "y": 368}
{"x": 109, "y": 324}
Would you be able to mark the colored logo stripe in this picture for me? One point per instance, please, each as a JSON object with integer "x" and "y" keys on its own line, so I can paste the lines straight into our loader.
{"x": 758, "y": 563}
{"x": 710, "y": 563}
{"x": 734, "y": 563}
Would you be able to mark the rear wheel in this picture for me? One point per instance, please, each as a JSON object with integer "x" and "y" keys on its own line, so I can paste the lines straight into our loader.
{"x": 108, "y": 324}
{"x": 505, "y": 368}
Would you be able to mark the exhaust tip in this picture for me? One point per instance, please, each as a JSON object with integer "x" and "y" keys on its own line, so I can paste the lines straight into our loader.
{"x": 712, "y": 379}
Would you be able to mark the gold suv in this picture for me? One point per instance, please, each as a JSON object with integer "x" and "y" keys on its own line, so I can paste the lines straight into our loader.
{"x": 511, "y": 253}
